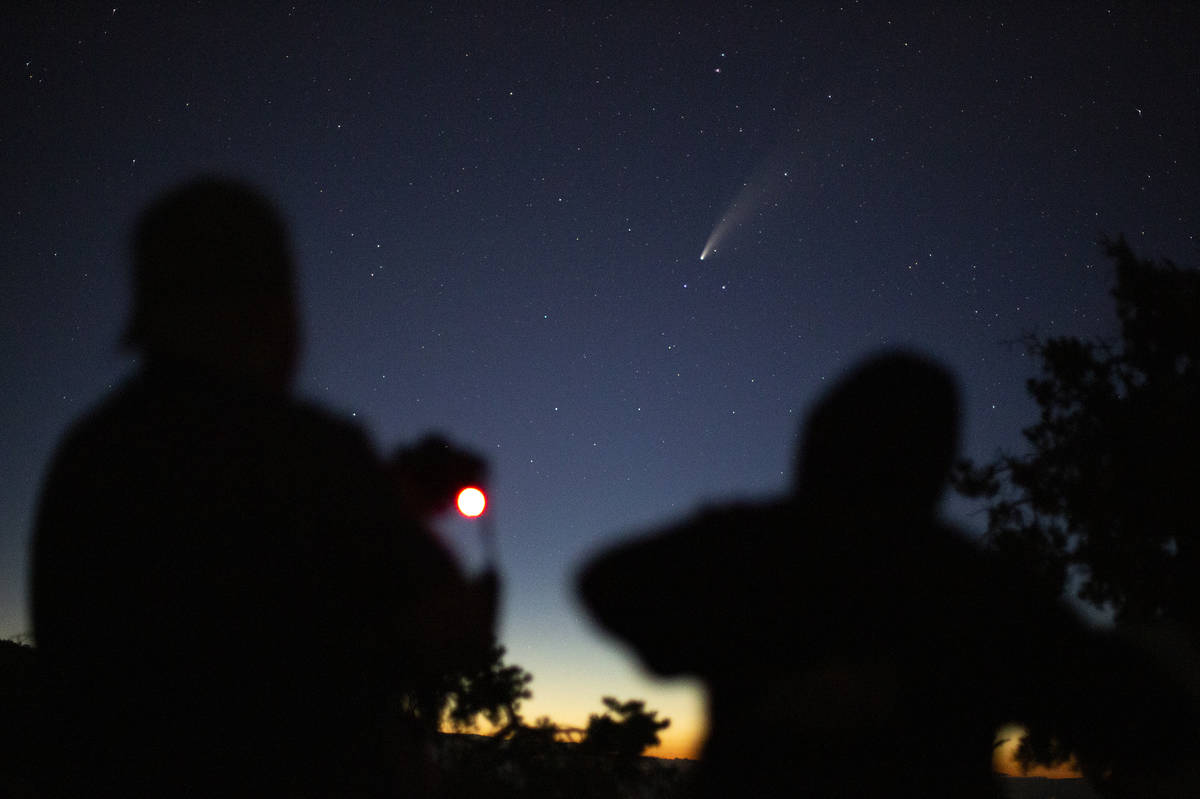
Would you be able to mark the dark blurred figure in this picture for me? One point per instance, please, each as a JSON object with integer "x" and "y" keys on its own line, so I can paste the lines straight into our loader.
{"x": 852, "y": 645}
{"x": 229, "y": 597}
{"x": 20, "y": 706}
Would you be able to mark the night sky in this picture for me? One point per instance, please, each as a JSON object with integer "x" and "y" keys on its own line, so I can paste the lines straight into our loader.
{"x": 499, "y": 217}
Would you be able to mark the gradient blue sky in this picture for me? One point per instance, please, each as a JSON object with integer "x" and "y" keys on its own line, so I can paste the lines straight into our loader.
{"x": 498, "y": 218}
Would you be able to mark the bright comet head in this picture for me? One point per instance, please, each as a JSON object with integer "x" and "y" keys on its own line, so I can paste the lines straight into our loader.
{"x": 471, "y": 502}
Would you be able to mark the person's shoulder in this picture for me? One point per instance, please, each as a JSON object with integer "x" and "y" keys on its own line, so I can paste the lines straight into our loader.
{"x": 317, "y": 438}
{"x": 726, "y": 541}
{"x": 328, "y": 424}
{"x": 107, "y": 419}
{"x": 330, "y": 448}
{"x": 738, "y": 519}
{"x": 1015, "y": 587}
{"x": 960, "y": 556}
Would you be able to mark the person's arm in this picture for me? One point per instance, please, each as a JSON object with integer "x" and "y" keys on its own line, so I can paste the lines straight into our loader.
{"x": 680, "y": 596}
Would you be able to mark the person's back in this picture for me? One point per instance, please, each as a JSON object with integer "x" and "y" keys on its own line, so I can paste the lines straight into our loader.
{"x": 831, "y": 669}
{"x": 195, "y": 592}
{"x": 227, "y": 597}
{"x": 917, "y": 658}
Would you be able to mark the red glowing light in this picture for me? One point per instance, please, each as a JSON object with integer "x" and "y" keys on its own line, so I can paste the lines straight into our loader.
{"x": 471, "y": 502}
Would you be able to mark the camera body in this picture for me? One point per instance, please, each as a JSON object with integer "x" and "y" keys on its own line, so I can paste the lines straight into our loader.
{"x": 430, "y": 473}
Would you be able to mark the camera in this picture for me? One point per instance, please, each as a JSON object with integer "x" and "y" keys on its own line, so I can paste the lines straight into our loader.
{"x": 431, "y": 472}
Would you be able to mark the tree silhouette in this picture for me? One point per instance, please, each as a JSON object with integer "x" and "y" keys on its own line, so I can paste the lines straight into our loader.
{"x": 627, "y": 735}
{"x": 18, "y": 716}
{"x": 492, "y": 689}
{"x": 1102, "y": 502}
{"x": 1113, "y": 458}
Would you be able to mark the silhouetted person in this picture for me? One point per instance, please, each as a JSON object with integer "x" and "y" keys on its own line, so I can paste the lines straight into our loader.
{"x": 227, "y": 596}
{"x": 851, "y": 644}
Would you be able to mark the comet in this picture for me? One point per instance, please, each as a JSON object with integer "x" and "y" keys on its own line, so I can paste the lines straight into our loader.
{"x": 761, "y": 188}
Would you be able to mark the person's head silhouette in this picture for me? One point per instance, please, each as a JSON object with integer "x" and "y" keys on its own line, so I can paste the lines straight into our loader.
{"x": 883, "y": 439}
{"x": 213, "y": 283}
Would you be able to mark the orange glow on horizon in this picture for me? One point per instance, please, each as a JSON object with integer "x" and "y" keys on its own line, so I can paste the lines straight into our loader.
{"x": 687, "y": 744}
{"x": 1004, "y": 758}
{"x": 680, "y": 740}
{"x": 678, "y": 750}
{"x": 684, "y": 745}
